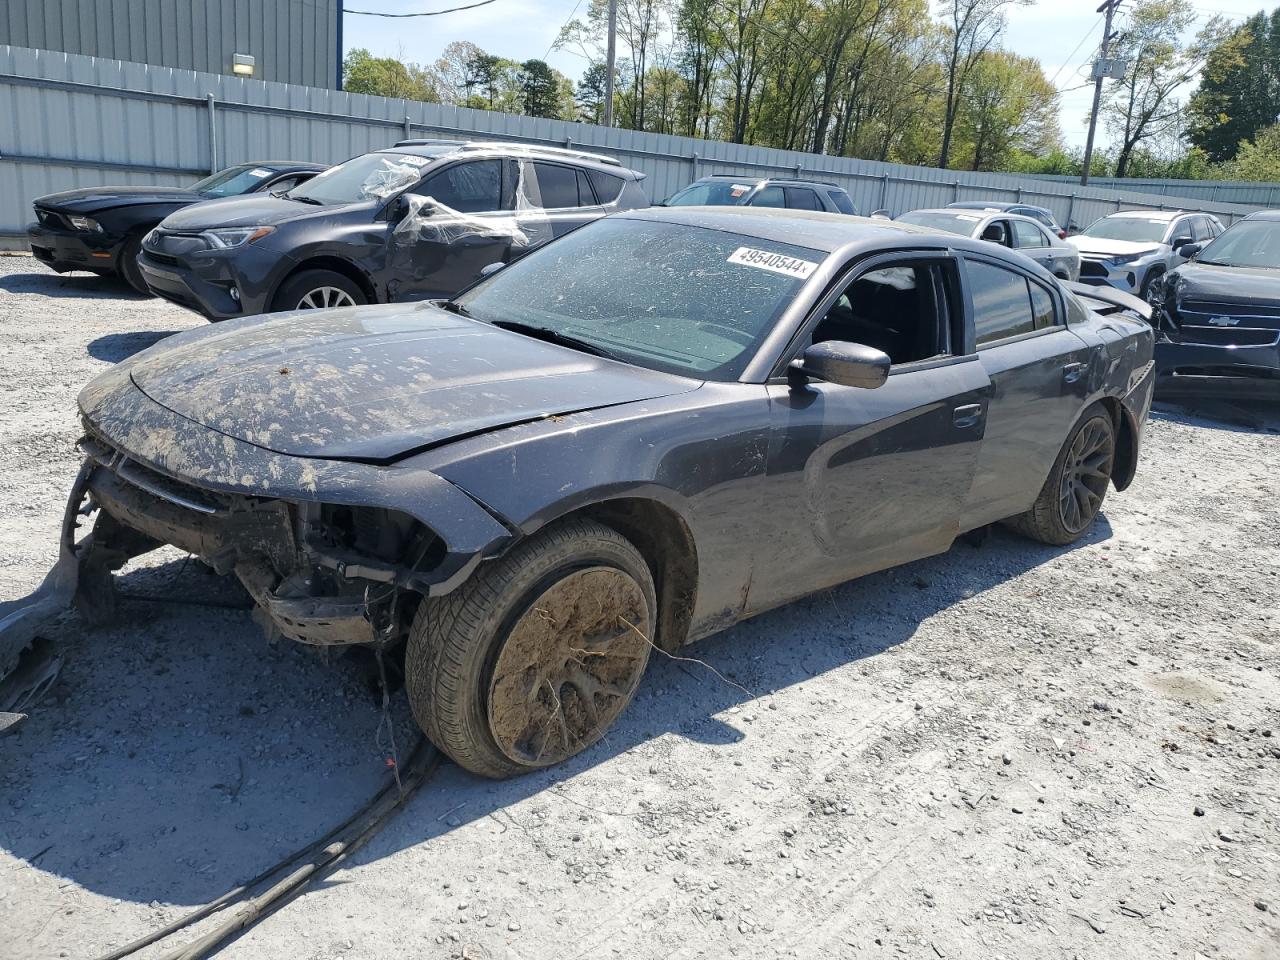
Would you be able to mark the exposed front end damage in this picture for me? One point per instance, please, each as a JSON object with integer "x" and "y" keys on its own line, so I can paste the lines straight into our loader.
{"x": 322, "y": 574}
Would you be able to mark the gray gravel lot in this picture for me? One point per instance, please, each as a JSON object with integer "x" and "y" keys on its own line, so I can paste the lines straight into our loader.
{"x": 1008, "y": 751}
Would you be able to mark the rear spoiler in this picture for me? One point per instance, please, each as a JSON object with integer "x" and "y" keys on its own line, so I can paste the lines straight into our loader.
{"x": 1109, "y": 296}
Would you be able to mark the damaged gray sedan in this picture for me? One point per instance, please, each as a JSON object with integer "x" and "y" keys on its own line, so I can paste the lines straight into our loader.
{"x": 651, "y": 429}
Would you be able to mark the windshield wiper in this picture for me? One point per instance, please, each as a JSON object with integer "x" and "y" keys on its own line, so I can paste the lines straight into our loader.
{"x": 555, "y": 336}
{"x": 290, "y": 196}
{"x": 1214, "y": 263}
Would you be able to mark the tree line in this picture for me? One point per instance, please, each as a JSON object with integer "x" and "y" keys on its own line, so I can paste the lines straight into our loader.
{"x": 891, "y": 80}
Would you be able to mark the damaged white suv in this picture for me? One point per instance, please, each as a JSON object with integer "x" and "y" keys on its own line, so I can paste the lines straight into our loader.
{"x": 416, "y": 221}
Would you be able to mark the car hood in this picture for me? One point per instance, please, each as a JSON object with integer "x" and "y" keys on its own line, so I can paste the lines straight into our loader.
{"x": 93, "y": 199}
{"x": 253, "y": 210}
{"x": 376, "y": 383}
{"x": 1228, "y": 284}
{"x": 1107, "y": 248}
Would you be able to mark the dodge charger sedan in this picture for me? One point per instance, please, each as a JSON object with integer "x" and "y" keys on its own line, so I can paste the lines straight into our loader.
{"x": 635, "y": 436}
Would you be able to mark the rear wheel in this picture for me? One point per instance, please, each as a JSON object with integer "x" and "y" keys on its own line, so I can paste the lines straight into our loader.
{"x": 318, "y": 290}
{"x": 1072, "y": 495}
{"x": 531, "y": 660}
{"x": 128, "y": 265}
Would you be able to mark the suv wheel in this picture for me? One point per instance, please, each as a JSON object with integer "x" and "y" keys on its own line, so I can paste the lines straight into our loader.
{"x": 318, "y": 290}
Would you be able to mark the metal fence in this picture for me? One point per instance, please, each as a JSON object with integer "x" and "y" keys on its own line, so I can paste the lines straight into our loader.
{"x": 1251, "y": 193}
{"x": 79, "y": 121}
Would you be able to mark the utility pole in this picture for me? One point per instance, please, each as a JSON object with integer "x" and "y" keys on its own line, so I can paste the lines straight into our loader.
{"x": 611, "y": 62}
{"x": 1109, "y": 7}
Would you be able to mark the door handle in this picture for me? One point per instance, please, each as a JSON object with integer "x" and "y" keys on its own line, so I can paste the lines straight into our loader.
{"x": 967, "y": 416}
{"x": 1072, "y": 372}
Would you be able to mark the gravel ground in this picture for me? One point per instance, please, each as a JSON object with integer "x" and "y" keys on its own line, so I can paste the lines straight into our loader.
{"x": 1010, "y": 751}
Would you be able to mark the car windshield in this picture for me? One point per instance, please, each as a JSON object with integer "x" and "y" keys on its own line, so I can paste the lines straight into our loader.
{"x": 369, "y": 177}
{"x": 713, "y": 193}
{"x": 1249, "y": 243}
{"x": 232, "y": 181}
{"x": 961, "y": 223}
{"x": 1134, "y": 229}
{"x": 671, "y": 297}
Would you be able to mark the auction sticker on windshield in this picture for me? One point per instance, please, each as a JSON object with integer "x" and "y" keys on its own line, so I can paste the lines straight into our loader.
{"x": 774, "y": 262}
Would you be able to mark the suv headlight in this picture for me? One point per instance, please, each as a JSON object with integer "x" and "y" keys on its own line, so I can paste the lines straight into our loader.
{"x": 1129, "y": 257}
{"x": 234, "y": 236}
{"x": 87, "y": 224}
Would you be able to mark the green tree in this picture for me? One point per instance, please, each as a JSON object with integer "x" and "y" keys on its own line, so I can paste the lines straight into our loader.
{"x": 539, "y": 89}
{"x": 1258, "y": 159}
{"x": 1008, "y": 105}
{"x": 362, "y": 72}
{"x": 1144, "y": 104}
{"x": 1239, "y": 92}
{"x": 591, "y": 93}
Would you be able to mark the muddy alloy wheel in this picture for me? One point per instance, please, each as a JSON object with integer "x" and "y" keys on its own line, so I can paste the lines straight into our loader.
{"x": 318, "y": 290}
{"x": 531, "y": 659}
{"x": 569, "y": 666}
{"x": 1072, "y": 494}
{"x": 1086, "y": 473}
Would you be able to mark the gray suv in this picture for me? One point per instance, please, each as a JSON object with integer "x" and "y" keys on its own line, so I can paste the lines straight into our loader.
{"x": 731, "y": 190}
{"x": 416, "y": 221}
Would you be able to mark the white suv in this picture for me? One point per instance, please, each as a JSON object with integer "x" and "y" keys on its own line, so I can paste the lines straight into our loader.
{"x": 1128, "y": 250}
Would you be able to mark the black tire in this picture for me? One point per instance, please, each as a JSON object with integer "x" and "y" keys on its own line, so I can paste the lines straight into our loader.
{"x": 129, "y": 269}
{"x": 318, "y": 289}
{"x": 1082, "y": 472}
{"x": 1151, "y": 277}
{"x": 483, "y": 668}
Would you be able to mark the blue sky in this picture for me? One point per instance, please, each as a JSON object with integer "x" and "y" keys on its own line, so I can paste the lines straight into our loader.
{"x": 521, "y": 29}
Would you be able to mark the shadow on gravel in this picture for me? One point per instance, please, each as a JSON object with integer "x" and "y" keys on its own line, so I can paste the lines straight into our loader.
{"x": 180, "y": 754}
{"x": 115, "y": 347}
{"x": 81, "y": 285}
{"x": 1232, "y": 415}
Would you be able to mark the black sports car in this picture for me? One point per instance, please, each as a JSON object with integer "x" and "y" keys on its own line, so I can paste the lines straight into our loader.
{"x": 101, "y": 228}
{"x": 661, "y": 424}
{"x": 1218, "y": 315}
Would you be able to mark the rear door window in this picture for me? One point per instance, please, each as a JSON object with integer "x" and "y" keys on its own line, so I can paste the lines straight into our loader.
{"x": 1001, "y": 302}
{"x": 801, "y": 198}
{"x": 1026, "y": 234}
{"x": 471, "y": 187}
{"x": 1042, "y": 306}
{"x": 768, "y": 197}
{"x": 1200, "y": 229}
{"x": 585, "y": 197}
{"x": 557, "y": 185}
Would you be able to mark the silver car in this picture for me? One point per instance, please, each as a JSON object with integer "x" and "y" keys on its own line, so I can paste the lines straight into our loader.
{"x": 1130, "y": 249}
{"x": 1027, "y": 236}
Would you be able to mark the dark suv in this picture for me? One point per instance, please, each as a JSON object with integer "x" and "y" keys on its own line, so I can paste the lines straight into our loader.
{"x": 416, "y": 221}
{"x": 729, "y": 190}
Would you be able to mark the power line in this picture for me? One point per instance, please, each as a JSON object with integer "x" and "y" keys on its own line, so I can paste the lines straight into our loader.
{"x": 568, "y": 20}
{"x": 1067, "y": 61}
{"x": 424, "y": 13}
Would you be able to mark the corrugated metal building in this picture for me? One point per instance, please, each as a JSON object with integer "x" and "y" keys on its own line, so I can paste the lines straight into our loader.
{"x": 290, "y": 41}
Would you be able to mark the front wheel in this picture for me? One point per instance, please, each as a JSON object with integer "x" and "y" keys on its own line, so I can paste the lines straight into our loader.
{"x": 318, "y": 290}
{"x": 1150, "y": 279}
{"x": 531, "y": 660}
{"x": 1071, "y": 497}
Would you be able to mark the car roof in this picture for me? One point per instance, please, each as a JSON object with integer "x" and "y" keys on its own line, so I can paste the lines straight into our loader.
{"x": 285, "y": 164}
{"x": 825, "y": 232}
{"x": 984, "y": 205}
{"x": 437, "y": 149}
{"x": 1148, "y": 214}
{"x": 794, "y": 180}
{"x": 1264, "y": 215}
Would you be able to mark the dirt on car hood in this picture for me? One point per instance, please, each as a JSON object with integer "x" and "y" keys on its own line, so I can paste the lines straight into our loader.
{"x": 376, "y": 383}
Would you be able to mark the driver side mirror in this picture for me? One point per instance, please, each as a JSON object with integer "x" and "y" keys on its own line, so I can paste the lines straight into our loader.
{"x": 847, "y": 364}
{"x": 1187, "y": 248}
{"x": 398, "y": 209}
{"x": 994, "y": 232}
